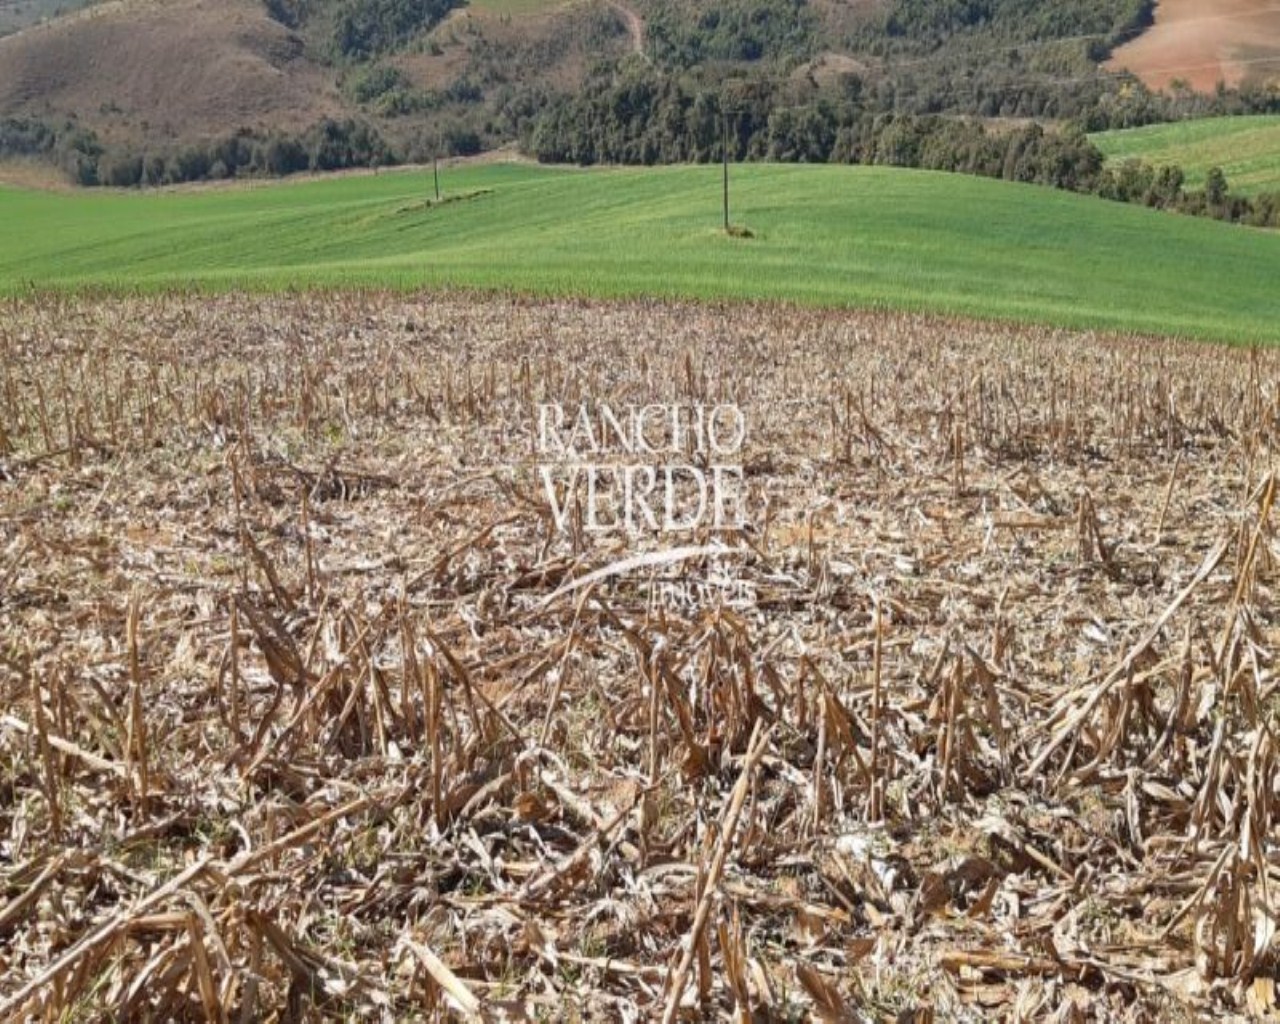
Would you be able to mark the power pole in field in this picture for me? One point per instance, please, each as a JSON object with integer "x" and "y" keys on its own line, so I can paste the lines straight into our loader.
{"x": 724, "y": 149}
{"x": 733, "y": 97}
{"x": 435, "y": 160}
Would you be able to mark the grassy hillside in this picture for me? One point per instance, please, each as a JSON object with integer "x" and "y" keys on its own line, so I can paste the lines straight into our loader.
{"x": 823, "y": 234}
{"x": 1246, "y": 148}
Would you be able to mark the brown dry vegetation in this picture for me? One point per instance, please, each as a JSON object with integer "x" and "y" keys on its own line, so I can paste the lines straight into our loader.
{"x": 553, "y": 32}
{"x": 143, "y": 69}
{"x": 294, "y": 726}
{"x": 150, "y": 72}
{"x": 1204, "y": 42}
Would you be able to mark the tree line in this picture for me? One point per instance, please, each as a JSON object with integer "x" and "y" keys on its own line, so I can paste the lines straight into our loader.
{"x": 327, "y": 146}
{"x": 643, "y": 126}
{"x": 654, "y": 119}
{"x": 66, "y": 145}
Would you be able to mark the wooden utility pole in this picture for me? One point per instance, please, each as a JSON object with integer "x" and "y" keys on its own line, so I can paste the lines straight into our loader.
{"x": 435, "y": 162}
{"x": 724, "y": 149}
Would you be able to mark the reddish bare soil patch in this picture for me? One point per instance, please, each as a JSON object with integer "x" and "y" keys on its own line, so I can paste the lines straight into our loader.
{"x": 1203, "y": 42}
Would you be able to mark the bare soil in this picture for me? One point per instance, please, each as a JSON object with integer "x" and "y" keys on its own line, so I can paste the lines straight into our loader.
{"x": 1204, "y": 42}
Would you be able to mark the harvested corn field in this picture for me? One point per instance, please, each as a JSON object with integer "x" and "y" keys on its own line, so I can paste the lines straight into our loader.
{"x": 324, "y": 696}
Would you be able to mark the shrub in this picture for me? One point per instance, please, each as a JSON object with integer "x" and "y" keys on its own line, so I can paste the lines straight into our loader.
{"x": 153, "y": 169}
{"x": 460, "y": 140}
{"x": 287, "y": 12}
{"x": 189, "y": 164}
{"x": 120, "y": 170}
{"x": 377, "y": 81}
{"x": 284, "y": 156}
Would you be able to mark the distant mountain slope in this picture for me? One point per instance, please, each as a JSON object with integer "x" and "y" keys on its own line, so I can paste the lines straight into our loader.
{"x": 149, "y": 74}
{"x": 16, "y": 15}
{"x": 153, "y": 70}
{"x": 152, "y": 91}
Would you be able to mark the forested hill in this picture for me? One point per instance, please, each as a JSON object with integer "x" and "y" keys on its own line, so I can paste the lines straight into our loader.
{"x": 359, "y": 31}
{"x": 190, "y": 89}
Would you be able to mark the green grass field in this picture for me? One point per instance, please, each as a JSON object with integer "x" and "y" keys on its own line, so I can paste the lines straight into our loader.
{"x": 859, "y": 236}
{"x": 1246, "y": 148}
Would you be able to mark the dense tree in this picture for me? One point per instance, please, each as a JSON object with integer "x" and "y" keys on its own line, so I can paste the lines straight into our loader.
{"x": 120, "y": 170}
{"x": 365, "y": 28}
{"x": 1215, "y": 187}
{"x": 683, "y": 35}
{"x": 284, "y": 155}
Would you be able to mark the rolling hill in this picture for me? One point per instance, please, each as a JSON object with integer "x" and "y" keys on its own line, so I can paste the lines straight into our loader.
{"x": 139, "y": 79}
{"x": 822, "y": 234}
{"x": 1203, "y": 42}
{"x": 16, "y": 15}
{"x": 1246, "y": 148}
{"x": 151, "y": 75}
{"x": 151, "y": 72}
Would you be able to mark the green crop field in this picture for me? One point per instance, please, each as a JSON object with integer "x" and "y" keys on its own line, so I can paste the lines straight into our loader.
{"x": 1246, "y": 148}
{"x": 822, "y": 234}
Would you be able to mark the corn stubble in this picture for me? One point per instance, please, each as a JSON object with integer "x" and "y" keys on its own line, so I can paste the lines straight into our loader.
{"x": 291, "y": 731}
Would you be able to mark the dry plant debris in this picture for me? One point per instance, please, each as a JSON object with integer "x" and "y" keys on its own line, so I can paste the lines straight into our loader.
{"x": 291, "y": 728}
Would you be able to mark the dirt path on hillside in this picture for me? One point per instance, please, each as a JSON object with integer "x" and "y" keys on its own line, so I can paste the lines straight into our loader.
{"x": 635, "y": 24}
